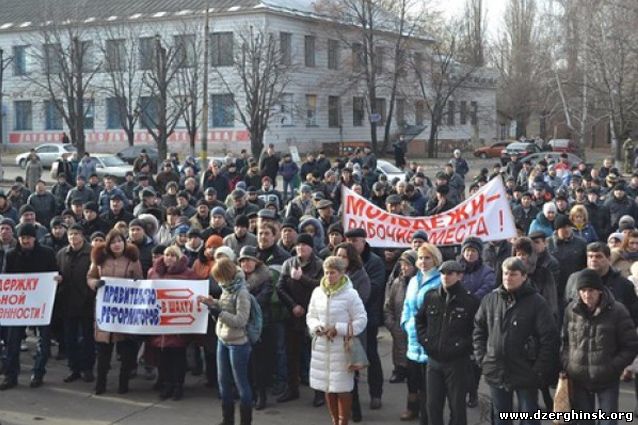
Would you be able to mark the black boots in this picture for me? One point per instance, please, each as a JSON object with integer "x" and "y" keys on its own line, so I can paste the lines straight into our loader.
{"x": 123, "y": 384}
{"x": 260, "y": 402}
{"x": 100, "y": 384}
{"x": 228, "y": 413}
{"x": 245, "y": 415}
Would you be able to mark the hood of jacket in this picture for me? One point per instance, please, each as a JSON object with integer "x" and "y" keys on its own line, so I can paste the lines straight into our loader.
{"x": 257, "y": 277}
{"x": 180, "y": 267}
{"x": 319, "y": 236}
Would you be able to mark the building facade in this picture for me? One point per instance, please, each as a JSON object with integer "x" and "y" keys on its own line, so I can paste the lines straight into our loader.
{"x": 324, "y": 102}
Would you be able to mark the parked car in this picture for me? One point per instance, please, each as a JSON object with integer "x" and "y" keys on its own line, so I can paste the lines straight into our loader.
{"x": 492, "y": 151}
{"x": 48, "y": 153}
{"x": 390, "y": 171}
{"x": 129, "y": 154}
{"x": 521, "y": 149}
{"x": 563, "y": 145}
{"x": 108, "y": 164}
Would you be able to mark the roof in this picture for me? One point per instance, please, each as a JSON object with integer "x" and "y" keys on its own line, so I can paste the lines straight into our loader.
{"x": 25, "y": 14}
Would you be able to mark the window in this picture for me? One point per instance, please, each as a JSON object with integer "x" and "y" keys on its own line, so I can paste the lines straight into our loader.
{"x": 286, "y": 111}
{"x": 87, "y": 56}
{"x": 419, "y": 112}
{"x": 450, "y": 112}
{"x": 221, "y": 49}
{"x": 52, "y": 58}
{"x": 334, "y": 112}
{"x": 463, "y": 113}
{"x": 357, "y": 57}
{"x": 115, "y": 55}
{"x": 379, "y": 103}
{"x": 53, "y": 117}
{"x": 285, "y": 47}
{"x": 185, "y": 55}
{"x": 89, "y": 114}
{"x": 358, "y": 111}
{"x": 474, "y": 113}
{"x": 115, "y": 111}
{"x": 223, "y": 110}
{"x": 333, "y": 54}
{"x": 400, "y": 112}
{"x": 309, "y": 50}
{"x": 379, "y": 53}
{"x": 311, "y": 110}
{"x": 149, "y": 112}
{"x": 23, "y": 115}
{"x": 418, "y": 63}
{"x": 19, "y": 60}
{"x": 147, "y": 53}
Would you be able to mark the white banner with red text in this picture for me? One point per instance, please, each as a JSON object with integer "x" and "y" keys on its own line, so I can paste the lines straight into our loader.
{"x": 151, "y": 307}
{"x": 26, "y": 299}
{"x": 486, "y": 214}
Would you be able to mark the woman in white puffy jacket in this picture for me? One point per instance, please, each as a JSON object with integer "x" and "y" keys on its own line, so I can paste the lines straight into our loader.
{"x": 333, "y": 306}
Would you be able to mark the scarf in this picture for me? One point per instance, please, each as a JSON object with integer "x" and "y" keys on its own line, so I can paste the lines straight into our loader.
{"x": 629, "y": 256}
{"x": 470, "y": 267}
{"x": 233, "y": 286}
{"x": 331, "y": 290}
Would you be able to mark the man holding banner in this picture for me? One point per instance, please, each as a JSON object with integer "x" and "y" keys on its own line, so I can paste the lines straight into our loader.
{"x": 28, "y": 257}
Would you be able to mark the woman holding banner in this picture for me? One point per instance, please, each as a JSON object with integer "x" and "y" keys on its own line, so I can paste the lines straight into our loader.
{"x": 114, "y": 258}
{"x": 173, "y": 265}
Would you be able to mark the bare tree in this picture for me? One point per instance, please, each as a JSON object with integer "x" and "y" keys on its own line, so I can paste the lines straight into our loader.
{"x": 69, "y": 65}
{"x": 162, "y": 109}
{"x": 263, "y": 71}
{"x": 124, "y": 78}
{"x": 473, "y": 37}
{"x": 191, "y": 47}
{"x": 440, "y": 77}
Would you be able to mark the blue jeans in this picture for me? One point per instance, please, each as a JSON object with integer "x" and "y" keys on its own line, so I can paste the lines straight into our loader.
{"x": 80, "y": 344}
{"x": 288, "y": 188}
{"x": 585, "y": 400}
{"x": 502, "y": 401}
{"x": 233, "y": 363}
{"x": 14, "y": 338}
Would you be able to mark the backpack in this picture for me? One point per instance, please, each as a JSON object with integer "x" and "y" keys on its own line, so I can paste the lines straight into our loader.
{"x": 255, "y": 322}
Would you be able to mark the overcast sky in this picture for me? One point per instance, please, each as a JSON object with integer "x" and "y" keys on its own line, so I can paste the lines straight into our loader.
{"x": 495, "y": 10}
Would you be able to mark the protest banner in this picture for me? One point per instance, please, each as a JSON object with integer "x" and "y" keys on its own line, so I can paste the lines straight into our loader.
{"x": 26, "y": 299}
{"x": 151, "y": 307}
{"x": 486, "y": 214}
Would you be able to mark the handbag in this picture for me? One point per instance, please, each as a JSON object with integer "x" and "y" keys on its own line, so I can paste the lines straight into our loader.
{"x": 561, "y": 398}
{"x": 357, "y": 357}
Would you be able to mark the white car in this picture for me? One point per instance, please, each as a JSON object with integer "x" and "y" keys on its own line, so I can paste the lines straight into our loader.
{"x": 48, "y": 153}
{"x": 107, "y": 164}
{"x": 390, "y": 171}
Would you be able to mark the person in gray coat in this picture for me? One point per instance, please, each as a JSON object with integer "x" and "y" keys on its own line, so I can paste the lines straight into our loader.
{"x": 33, "y": 171}
{"x": 599, "y": 340}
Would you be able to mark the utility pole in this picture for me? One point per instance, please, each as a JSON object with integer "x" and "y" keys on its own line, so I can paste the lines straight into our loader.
{"x": 204, "y": 129}
{"x": 2, "y": 67}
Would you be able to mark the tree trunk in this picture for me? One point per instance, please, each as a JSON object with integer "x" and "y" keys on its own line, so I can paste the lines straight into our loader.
{"x": 130, "y": 135}
{"x": 256, "y": 143}
{"x": 432, "y": 140}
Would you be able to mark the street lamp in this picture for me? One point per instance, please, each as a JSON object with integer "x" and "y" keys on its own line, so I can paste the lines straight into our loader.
{"x": 204, "y": 125}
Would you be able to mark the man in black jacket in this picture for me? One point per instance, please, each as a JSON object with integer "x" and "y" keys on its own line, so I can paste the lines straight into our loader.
{"x": 375, "y": 268}
{"x": 28, "y": 257}
{"x": 515, "y": 342}
{"x": 300, "y": 275}
{"x": 75, "y": 303}
{"x": 444, "y": 325}
{"x": 598, "y": 341}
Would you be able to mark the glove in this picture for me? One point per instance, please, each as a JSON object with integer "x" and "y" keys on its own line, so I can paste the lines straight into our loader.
{"x": 214, "y": 311}
{"x": 100, "y": 283}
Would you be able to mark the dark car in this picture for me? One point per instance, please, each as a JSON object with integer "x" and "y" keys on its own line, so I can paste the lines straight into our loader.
{"x": 129, "y": 154}
{"x": 520, "y": 149}
{"x": 553, "y": 158}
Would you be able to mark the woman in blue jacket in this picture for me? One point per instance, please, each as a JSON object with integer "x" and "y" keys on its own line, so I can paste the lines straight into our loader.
{"x": 544, "y": 221}
{"x": 429, "y": 258}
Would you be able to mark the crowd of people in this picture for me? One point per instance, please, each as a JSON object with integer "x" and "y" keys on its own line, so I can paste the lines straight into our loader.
{"x": 559, "y": 299}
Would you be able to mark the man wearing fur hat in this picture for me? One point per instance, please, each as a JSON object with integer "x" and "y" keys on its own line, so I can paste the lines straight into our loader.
{"x": 598, "y": 341}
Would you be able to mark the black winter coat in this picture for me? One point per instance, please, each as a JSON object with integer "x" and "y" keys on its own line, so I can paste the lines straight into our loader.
{"x": 39, "y": 259}
{"x": 571, "y": 255}
{"x": 74, "y": 298}
{"x": 516, "y": 340}
{"x": 445, "y": 322}
{"x": 597, "y": 347}
{"x": 375, "y": 268}
{"x": 298, "y": 292}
